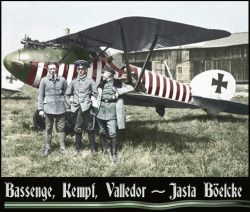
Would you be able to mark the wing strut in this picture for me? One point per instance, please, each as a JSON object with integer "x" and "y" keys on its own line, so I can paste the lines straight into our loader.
{"x": 144, "y": 65}
{"x": 97, "y": 55}
{"x": 72, "y": 45}
{"x": 125, "y": 55}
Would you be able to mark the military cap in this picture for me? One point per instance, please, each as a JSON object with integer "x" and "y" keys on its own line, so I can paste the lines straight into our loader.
{"x": 81, "y": 64}
{"x": 109, "y": 69}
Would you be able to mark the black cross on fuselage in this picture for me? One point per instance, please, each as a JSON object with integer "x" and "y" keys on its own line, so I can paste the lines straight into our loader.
{"x": 11, "y": 78}
{"x": 219, "y": 83}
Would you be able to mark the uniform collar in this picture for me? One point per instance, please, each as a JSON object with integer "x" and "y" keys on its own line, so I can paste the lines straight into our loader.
{"x": 81, "y": 78}
{"x": 50, "y": 77}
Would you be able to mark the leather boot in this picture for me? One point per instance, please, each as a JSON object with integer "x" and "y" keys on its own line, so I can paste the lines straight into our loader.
{"x": 47, "y": 144}
{"x": 61, "y": 136}
{"x": 78, "y": 143}
{"x": 113, "y": 150}
{"x": 103, "y": 143}
{"x": 92, "y": 145}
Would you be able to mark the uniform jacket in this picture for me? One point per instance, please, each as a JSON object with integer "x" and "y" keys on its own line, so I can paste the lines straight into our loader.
{"x": 51, "y": 95}
{"x": 121, "y": 88}
{"x": 81, "y": 90}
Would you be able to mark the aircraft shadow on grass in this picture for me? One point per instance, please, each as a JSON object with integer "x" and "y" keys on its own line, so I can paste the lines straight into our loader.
{"x": 178, "y": 138}
{"x": 201, "y": 117}
{"x": 151, "y": 138}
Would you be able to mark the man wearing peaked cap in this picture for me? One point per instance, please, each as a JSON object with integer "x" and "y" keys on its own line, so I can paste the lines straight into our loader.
{"x": 81, "y": 64}
{"x": 78, "y": 98}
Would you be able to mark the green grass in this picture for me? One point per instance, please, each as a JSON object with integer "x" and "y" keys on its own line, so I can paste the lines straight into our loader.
{"x": 184, "y": 143}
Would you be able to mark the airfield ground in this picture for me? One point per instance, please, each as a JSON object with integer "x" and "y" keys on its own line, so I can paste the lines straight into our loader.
{"x": 184, "y": 143}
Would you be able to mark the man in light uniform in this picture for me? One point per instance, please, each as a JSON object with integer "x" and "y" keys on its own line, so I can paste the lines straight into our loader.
{"x": 78, "y": 98}
{"x": 51, "y": 105}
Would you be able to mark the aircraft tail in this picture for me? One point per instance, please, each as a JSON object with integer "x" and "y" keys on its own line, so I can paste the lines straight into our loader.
{"x": 212, "y": 90}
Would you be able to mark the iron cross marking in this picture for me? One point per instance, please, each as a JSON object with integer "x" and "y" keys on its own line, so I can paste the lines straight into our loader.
{"x": 11, "y": 78}
{"x": 219, "y": 83}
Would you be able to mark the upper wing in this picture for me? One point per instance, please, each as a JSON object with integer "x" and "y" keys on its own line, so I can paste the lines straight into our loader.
{"x": 139, "y": 33}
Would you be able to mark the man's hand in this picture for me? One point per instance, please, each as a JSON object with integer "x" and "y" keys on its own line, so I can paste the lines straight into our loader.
{"x": 41, "y": 113}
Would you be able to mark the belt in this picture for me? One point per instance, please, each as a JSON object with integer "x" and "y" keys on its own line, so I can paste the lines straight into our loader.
{"x": 108, "y": 100}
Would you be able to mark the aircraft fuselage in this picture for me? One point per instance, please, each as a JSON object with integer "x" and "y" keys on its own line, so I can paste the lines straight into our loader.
{"x": 30, "y": 66}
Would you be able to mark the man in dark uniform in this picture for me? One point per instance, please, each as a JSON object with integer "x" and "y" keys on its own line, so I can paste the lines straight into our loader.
{"x": 78, "y": 97}
{"x": 110, "y": 111}
{"x": 51, "y": 105}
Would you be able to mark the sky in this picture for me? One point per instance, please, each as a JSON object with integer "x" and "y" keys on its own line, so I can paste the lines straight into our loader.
{"x": 46, "y": 20}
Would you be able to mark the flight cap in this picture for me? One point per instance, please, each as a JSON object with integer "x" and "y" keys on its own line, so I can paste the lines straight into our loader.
{"x": 109, "y": 69}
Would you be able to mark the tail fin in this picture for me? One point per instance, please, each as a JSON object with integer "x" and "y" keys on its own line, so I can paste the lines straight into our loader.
{"x": 214, "y": 84}
{"x": 212, "y": 89}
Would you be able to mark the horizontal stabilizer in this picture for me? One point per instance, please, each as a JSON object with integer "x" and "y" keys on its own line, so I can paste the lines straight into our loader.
{"x": 9, "y": 92}
{"x": 215, "y": 106}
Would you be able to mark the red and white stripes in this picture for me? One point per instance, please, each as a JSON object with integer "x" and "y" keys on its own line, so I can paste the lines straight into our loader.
{"x": 158, "y": 85}
{"x": 68, "y": 71}
{"x": 155, "y": 84}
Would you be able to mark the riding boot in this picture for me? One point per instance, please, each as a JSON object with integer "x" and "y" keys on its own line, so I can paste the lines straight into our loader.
{"x": 113, "y": 144}
{"x": 103, "y": 143}
{"x": 47, "y": 144}
{"x": 92, "y": 145}
{"x": 61, "y": 136}
{"x": 78, "y": 143}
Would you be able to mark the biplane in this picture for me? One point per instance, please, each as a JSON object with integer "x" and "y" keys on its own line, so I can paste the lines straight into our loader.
{"x": 210, "y": 90}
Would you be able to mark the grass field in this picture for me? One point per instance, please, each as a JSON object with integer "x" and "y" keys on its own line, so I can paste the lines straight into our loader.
{"x": 184, "y": 143}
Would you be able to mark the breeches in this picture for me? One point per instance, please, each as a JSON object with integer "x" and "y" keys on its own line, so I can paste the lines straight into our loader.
{"x": 83, "y": 121}
{"x": 107, "y": 126}
{"x": 49, "y": 121}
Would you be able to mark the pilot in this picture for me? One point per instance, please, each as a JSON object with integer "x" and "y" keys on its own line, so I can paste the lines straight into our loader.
{"x": 51, "y": 105}
{"x": 110, "y": 111}
{"x": 78, "y": 98}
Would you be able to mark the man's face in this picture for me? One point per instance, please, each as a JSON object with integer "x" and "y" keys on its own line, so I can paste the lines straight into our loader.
{"x": 82, "y": 71}
{"x": 52, "y": 69}
{"x": 106, "y": 75}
